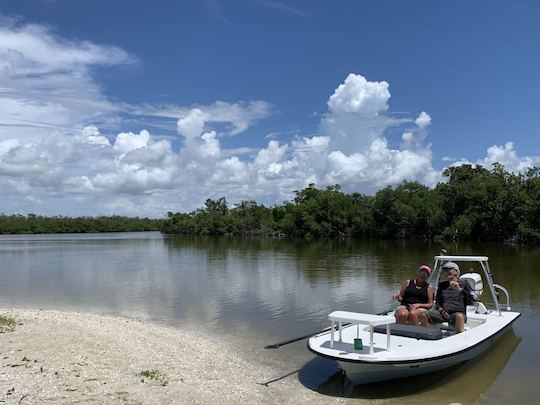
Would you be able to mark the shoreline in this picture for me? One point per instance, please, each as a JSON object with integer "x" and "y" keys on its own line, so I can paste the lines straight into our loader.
{"x": 65, "y": 357}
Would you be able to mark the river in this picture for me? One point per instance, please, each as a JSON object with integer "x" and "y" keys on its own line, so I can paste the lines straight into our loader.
{"x": 260, "y": 291}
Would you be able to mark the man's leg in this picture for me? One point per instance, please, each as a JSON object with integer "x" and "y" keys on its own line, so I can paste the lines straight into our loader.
{"x": 459, "y": 322}
{"x": 434, "y": 316}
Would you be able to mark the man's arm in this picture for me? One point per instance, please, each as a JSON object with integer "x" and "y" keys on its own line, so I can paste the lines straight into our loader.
{"x": 468, "y": 294}
{"x": 438, "y": 296}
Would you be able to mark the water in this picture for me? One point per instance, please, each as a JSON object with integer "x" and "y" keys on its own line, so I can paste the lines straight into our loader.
{"x": 259, "y": 291}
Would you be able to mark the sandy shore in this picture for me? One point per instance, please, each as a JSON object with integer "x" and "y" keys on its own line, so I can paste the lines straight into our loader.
{"x": 68, "y": 357}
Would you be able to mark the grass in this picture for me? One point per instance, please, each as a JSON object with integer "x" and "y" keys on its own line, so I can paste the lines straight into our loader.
{"x": 7, "y": 324}
{"x": 155, "y": 375}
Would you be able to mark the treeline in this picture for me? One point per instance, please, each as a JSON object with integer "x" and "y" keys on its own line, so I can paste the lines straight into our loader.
{"x": 27, "y": 224}
{"x": 474, "y": 204}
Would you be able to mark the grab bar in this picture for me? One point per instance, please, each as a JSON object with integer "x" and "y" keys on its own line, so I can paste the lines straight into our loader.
{"x": 505, "y": 291}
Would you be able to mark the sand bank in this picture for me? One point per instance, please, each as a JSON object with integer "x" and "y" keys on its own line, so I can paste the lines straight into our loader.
{"x": 69, "y": 357}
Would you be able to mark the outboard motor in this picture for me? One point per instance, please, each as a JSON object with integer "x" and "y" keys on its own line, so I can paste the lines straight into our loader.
{"x": 475, "y": 281}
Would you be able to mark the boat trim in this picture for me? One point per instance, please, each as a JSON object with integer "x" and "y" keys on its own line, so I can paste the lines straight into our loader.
{"x": 505, "y": 328}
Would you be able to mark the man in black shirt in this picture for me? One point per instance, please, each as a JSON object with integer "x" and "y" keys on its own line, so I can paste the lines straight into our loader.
{"x": 453, "y": 295}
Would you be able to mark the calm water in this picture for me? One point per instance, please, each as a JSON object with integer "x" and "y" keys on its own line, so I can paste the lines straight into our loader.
{"x": 262, "y": 291}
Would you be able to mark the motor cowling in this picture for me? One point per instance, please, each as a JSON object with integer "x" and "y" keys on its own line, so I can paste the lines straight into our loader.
{"x": 475, "y": 281}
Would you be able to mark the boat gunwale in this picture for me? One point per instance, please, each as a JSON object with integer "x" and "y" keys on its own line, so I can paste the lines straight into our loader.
{"x": 423, "y": 360}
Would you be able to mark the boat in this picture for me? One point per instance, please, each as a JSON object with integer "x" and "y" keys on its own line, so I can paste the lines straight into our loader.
{"x": 371, "y": 348}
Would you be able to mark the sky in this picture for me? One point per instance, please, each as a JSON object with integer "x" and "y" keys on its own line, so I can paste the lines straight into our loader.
{"x": 144, "y": 107}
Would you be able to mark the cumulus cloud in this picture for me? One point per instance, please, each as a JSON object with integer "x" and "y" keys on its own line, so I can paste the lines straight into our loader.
{"x": 381, "y": 165}
{"x": 507, "y": 156}
{"x": 359, "y": 153}
{"x": 192, "y": 124}
{"x": 108, "y": 171}
{"x": 423, "y": 120}
{"x": 414, "y": 137}
{"x": 55, "y": 159}
{"x": 351, "y": 150}
{"x": 356, "y": 114}
{"x": 358, "y": 95}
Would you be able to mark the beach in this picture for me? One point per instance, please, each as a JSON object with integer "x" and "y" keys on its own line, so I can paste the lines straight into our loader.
{"x": 70, "y": 357}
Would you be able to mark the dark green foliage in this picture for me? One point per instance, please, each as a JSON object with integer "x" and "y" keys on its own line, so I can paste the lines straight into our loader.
{"x": 474, "y": 204}
{"x": 490, "y": 205}
{"x": 409, "y": 211}
{"x": 17, "y": 224}
{"x": 326, "y": 213}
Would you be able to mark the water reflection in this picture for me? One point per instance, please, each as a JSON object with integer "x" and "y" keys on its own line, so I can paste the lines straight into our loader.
{"x": 258, "y": 290}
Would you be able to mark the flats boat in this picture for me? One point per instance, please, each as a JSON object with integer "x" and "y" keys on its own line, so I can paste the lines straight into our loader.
{"x": 372, "y": 348}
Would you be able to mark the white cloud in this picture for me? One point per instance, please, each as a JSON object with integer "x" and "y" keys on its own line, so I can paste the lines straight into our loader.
{"x": 237, "y": 116}
{"x": 508, "y": 157}
{"x": 282, "y": 7}
{"x": 46, "y": 82}
{"x": 240, "y": 116}
{"x": 55, "y": 160}
{"x": 423, "y": 120}
{"x": 503, "y": 154}
{"x": 414, "y": 137}
{"x": 34, "y": 50}
{"x": 273, "y": 153}
{"x": 92, "y": 136}
{"x": 192, "y": 124}
{"x": 357, "y": 95}
{"x": 357, "y": 115}
{"x": 380, "y": 166}
{"x": 128, "y": 141}
{"x": 139, "y": 166}
{"x": 359, "y": 153}
{"x": 22, "y": 160}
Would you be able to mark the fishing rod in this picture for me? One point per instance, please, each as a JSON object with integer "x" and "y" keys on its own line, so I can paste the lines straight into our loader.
{"x": 266, "y": 384}
{"x": 286, "y": 342}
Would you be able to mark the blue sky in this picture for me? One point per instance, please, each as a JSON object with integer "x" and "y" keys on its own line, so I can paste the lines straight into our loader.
{"x": 272, "y": 66}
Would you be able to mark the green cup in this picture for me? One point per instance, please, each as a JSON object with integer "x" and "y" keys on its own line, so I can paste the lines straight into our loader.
{"x": 358, "y": 344}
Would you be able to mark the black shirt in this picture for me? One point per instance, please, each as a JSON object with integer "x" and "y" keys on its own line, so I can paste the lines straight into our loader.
{"x": 415, "y": 294}
{"x": 452, "y": 300}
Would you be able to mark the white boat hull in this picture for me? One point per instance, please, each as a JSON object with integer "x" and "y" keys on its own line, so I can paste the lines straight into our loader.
{"x": 364, "y": 373}
{"x": 409, "y": 357}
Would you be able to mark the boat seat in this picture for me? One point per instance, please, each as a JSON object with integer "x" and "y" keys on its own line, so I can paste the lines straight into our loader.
{"x": 416, "y": 332}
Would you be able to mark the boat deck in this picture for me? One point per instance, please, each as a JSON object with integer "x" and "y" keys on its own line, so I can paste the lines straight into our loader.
{"x": 407, "y": 349}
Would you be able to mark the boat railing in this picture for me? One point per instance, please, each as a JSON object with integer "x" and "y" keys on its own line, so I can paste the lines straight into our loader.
{"x": 505, "y": 291}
